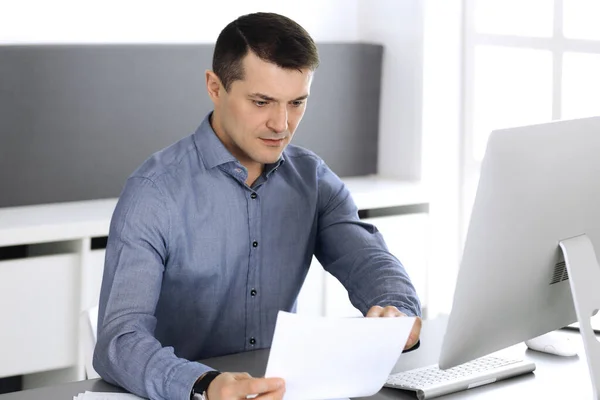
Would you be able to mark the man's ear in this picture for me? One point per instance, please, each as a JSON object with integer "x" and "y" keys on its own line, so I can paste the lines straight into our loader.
{"x": 213, "y": 86}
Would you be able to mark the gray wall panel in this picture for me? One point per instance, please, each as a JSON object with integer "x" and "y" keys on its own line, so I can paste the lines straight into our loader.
{"x": 76, "y": 120}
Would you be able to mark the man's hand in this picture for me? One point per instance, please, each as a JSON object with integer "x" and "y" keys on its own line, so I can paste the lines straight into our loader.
{"x": 239, "y": 385}
{"x": 391, "y": 311}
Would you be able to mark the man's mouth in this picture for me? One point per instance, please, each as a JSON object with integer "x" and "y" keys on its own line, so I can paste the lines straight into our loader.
{"x": 272, "y": 142}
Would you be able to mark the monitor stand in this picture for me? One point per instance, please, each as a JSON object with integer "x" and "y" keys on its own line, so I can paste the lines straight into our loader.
{"x": 584, "y": 278}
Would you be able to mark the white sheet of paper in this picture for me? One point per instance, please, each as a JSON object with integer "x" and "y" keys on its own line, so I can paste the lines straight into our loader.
{"x": 106, "y": 396}
{"x": 328, "y": 358}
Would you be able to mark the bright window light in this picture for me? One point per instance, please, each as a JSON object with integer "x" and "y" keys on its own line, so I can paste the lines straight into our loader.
{"x": 581, "y": 85}
{"x": 512, "y": 87}
{"x": 581, "y": 19}
{"x": 514, "y": 17}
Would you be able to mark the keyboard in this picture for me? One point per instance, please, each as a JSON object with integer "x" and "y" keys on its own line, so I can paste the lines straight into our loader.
{"x": 430, "y": 382}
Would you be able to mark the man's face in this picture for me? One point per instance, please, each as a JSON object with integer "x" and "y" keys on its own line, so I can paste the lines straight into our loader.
{"x": 258, "y": 116}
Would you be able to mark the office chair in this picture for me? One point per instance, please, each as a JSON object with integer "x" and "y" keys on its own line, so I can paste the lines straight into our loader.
{"x": 88, "y": 327}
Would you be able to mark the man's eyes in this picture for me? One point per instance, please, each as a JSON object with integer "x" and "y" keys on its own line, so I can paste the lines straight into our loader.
{"x": 262, "y": 103}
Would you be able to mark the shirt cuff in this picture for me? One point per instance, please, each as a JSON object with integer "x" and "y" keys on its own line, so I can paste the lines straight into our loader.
{"x": 183, "y": 379}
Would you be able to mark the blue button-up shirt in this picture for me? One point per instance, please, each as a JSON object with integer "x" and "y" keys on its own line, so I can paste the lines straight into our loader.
{"x": 198, "y": 263}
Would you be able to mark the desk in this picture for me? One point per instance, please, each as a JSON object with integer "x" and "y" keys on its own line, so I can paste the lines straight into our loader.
{"x": 554, "y": 378}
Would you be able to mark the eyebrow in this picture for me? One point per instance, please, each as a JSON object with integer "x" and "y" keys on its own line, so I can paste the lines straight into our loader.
{"x": 269, "y": 98}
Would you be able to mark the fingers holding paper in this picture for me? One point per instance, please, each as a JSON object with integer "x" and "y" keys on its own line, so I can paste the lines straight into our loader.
{"x": 264, "y": 388}
{"x": 236, "y": 386}
{"x": 391, "y": 311}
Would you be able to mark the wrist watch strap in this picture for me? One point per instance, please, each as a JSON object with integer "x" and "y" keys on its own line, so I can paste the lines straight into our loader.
{"x": 201, "y": 386}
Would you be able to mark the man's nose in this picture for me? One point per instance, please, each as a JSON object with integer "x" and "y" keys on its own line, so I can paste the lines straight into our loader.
{"x": 278, "y": 121}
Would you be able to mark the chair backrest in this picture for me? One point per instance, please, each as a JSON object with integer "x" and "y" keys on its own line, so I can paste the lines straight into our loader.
{"x": 88, "y": 335}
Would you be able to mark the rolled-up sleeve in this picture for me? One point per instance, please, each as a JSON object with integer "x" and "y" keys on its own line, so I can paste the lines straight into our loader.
{"x": 356, "y": 254}
{"x": 127, "y": 353}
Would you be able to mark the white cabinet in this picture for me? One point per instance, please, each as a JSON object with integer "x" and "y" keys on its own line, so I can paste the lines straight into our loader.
{"x": 94, "y": 268}
{"x": 45, "y": 287}
{"x": 38, "y": 313}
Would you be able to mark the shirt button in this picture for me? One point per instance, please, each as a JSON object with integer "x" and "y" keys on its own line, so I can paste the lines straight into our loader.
{"x": 253, "y": 292}
{"x": 253, "y": 195}
{"x": 252, "y": 341}
{"x": 255, "y": 244}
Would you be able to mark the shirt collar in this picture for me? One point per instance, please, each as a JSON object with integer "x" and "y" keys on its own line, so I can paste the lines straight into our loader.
{"x": 214, "y": 152}
{"x": 270, "y": 168}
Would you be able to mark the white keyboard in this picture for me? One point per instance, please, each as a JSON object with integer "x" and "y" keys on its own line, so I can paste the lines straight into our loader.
{"x": 430, "y": 382}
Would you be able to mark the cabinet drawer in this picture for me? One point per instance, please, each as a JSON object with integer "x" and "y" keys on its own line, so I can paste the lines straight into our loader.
{"x": 94, "y": 267}
{"x": 38, "y": 313}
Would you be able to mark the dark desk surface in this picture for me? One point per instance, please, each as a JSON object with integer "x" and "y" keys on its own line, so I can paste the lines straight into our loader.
{"x": 554, "y": 378}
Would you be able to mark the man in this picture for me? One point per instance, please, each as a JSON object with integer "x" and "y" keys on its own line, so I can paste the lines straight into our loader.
{"x": 214, "y": 235}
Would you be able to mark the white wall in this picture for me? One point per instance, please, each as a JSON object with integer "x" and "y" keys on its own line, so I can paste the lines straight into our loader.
{"x": 442, "y": 94}
{"x": 395, "y": 23}
{"x": 117, "y": 21}
{"x": 398, "y": 25}
{"x": 420, "y": 120}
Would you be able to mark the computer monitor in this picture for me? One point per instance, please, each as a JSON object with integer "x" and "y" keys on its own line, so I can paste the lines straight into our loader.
{"x": 539, "y": 186}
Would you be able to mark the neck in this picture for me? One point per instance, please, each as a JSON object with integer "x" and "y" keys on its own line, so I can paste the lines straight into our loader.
{"x": 252, "y": 177}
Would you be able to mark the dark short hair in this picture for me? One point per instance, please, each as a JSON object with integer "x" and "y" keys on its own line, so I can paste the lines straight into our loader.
{"x": 272, "y": 37}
